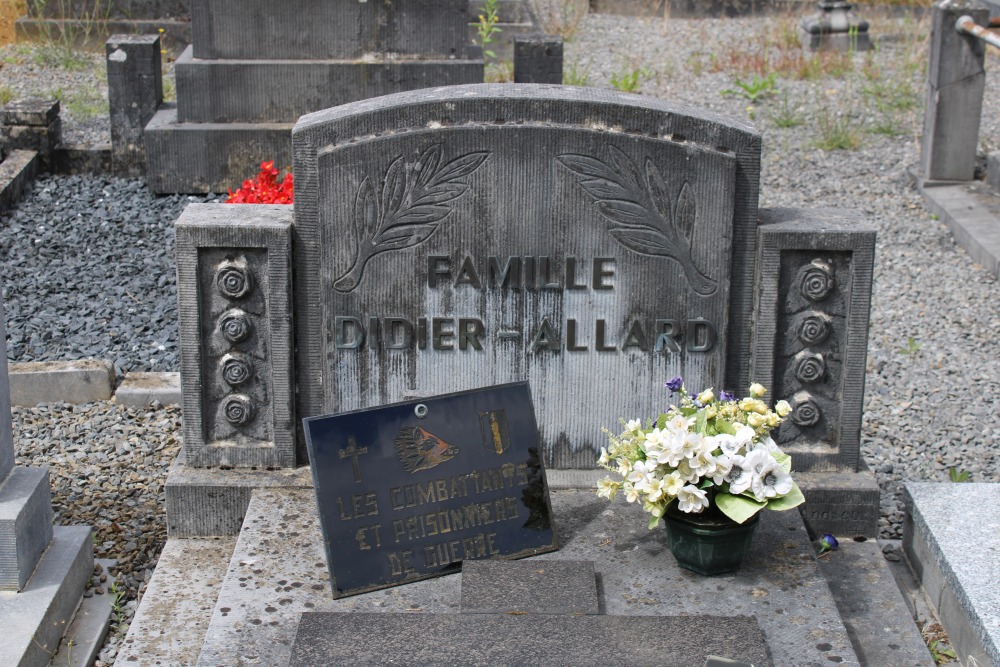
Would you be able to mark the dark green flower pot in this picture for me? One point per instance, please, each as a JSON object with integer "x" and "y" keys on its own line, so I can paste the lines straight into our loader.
{"x": 708, "y": 543}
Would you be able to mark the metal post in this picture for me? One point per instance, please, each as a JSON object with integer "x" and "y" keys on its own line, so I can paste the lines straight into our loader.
{"x": 967, "y": 25}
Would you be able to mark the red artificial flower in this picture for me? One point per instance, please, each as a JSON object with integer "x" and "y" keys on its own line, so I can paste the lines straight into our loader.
{"x": 265, "y": 188}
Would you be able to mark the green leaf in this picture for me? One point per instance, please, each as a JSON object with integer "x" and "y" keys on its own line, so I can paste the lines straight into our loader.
{"x": 737, "y": 508}
{"x": 654, "y": 521}
{"x": 724, "y": 427}
{"x": 662, "y": 421}
{"x": 784, "y": 460}
{"x": 794, "y": 498}
{"x": 701, "y": 422}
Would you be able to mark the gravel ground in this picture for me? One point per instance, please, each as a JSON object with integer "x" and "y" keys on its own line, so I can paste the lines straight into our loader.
{"x": 934, "y": 357}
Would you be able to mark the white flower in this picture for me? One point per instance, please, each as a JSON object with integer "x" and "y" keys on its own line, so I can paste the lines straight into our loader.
{"x": 671, "y": 454}
{"x": 691, "y": 499}
{"x": 744, "y": 435}
{"x": 771, "y": 482}
{"x": 655, "y": 509}
{"x": 678, "y": 424}
{"x": 624, "y": 467}
{"x": 727, "y": 443}
{"x": 631, "y": 493}
{"x": 605, "y": 458}
{"x": 692, "y": 444}
{"x": 769, "y": 444}
{"x": 739, "y": 476}
{"x": 758, "y": 458}
{"x": 606, "y": 488}
{"x": 703, "y": 463}
{"x": 641, "y": 470}
{"x": 686, "y": 472}
{"x": 782, "y": 408}
{"x": 672, "y": 484}
{"x": 633, "y": 425}
{"x": 652, "y": 487}
{"x": 723, "y": 464}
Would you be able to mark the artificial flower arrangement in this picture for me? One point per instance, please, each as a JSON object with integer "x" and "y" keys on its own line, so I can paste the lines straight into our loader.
{"x": 265, "y": 188}
{"x": 708, "y": 451}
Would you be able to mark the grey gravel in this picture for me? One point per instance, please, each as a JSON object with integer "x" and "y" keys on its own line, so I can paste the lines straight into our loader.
{"x": 934, "y": 357}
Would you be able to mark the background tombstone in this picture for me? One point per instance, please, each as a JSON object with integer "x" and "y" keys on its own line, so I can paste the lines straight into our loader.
{"x": 254, "y": 67}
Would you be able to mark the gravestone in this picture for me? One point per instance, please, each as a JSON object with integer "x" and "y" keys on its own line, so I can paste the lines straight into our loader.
{"x": 592, "y": 243}
{"x": 253, "y": 68}
{"x": 43, "y": 570}
{"x": 412, "y": 490}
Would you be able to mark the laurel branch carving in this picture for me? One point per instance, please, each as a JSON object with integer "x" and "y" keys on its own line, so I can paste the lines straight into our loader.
{"x": 408, "y": 207}
{"x": 638, "y": 207}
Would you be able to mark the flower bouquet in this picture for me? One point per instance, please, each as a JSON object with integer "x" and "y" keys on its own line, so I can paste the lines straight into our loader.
{"x": 710, "y": 451}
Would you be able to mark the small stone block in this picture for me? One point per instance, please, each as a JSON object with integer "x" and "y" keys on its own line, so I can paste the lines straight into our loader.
{"x": 36, "y": 112}
{"x": 17, "y": 172}
{"x": 82, "y": 381}
{"x": 538, "y": 59}
{"x": 328, "y": 638}
{"x": 843, "y": 504}
{"x": 529, "y": 586}
{"x": 25, "y": 524}
{"x": 141, "y": 389}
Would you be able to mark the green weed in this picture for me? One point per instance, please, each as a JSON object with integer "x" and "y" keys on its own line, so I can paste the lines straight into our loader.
{"x": 786, "y": 115}
{"x": 501, "y": 71}
{"x": 486, "y": 28}
{"x": 956, "y": 475}
{"x": 912, "y": 346}
{"x": 629, "y": 81}
{"x": 573, "y": 76}
{"x": 838, "y": 132}
{"x": 6, "y": 94}
{"x": 754, "y": 89}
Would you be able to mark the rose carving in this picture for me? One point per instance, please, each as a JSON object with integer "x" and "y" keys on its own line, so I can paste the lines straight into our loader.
{"x": 236, "y": 369}
{"x": 814, "y": 328}
{"x": 816, "y": 280}
{"x": 238, "y": 409}
{"x": 805, "y": 412}
{"x": 235, "y": 325}
{"x": 810, "y": 367}
{"x": 233, "y": 279}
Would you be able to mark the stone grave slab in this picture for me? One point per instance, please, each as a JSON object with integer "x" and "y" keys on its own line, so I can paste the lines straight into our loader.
{"x": 278, "y": 570}
{"x": 410, "y": 490}
{"x": 522, "y": 587}
{"x": 441, "y": 640}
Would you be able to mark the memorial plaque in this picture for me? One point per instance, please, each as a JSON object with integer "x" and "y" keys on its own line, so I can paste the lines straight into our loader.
{"x": 408, "y": 491}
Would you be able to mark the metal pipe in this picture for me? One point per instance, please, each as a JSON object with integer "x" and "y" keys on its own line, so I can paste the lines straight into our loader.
{"x": 968, "y": 26}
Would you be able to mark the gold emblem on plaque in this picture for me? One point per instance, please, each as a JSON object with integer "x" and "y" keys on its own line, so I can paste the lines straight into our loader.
{"x": 496, "y": 436}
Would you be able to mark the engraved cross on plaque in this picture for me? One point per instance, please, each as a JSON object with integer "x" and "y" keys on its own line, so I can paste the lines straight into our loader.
{"x": 353, "y": 452}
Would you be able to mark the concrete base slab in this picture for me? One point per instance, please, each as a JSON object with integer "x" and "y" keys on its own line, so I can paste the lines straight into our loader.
{"x": 952, "y": 549}
{"x": 879, "y": 622}
{"x": 972, "y": 213}
{"x": 82, "y": 381}
{"x": 170, "y": 624}
{"x": 210, "y": 157}
{"x": 499, "y": 639}
{"x": 141, "y": 389}
{"x": 36, "y": 618}
{"x": 278, "y": 570}
{"x": 86, "y": 633}
{"x": 17, "y": 171}
{"x": 525, "y": 587}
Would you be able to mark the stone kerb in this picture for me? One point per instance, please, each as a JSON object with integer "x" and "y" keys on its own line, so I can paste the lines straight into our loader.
{"x": 485, "y": 239}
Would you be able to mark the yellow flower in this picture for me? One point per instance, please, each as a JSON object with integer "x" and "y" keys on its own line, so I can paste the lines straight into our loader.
{"x": 754, "y": 420}
{"x": 706, "y": 396}
{"x": 782, "y": 408}
{"x": 757, "y": 390}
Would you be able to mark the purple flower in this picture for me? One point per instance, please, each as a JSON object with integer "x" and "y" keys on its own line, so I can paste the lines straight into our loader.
{"x": 725, "y": 396}
{"x": 675, "y": 384}
{"x": 827, "y": 543}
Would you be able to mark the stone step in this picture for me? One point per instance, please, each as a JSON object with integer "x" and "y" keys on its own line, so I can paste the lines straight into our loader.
{"x": 170, "y": 624}
{"x": 210, "y": 157}
{"x": 305, "y": 29}
{"x": 278, "y": 571}
{"x": 36, "y": 618}
{"x": 951, "y": 537}
{"x": 141, "y": 389}
{"x": 89, "y": 627}
{"x": 278, "y": 91}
